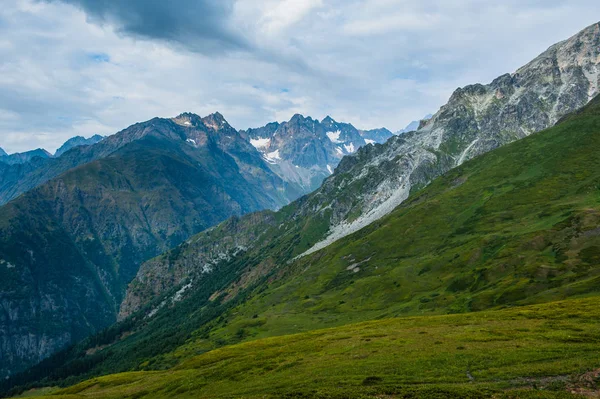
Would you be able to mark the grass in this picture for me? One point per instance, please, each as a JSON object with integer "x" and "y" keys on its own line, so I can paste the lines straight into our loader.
{"x": 539, "y": 349}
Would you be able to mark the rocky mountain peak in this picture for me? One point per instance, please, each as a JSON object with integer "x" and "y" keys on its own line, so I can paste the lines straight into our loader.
{"x": 298, "y": 119}
{"x": 188, "y": 119}
{"x": 2, "y": 153}
{"x": 215, "y": 121}
{"x": 328, "y": 120}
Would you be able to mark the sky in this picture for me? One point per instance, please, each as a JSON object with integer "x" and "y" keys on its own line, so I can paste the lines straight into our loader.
{"x": 84, "y": 67}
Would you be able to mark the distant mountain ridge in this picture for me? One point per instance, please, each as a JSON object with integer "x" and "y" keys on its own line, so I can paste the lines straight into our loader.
{"x": 24, "y": 157}
{"x": 376, "y": 136}
{"x": 304, "y": 171}
{"x": 77, "y": 141}
{"x": 27, "y": 156}
{"x": 305, "y": 151}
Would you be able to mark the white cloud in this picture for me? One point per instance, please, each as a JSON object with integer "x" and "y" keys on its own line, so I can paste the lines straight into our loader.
{"x": 280, "y": 15}
{"x": 372, "y": 63}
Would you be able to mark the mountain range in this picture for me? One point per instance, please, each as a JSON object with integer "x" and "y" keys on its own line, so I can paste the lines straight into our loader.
{"x": 305, "y": 151}
{"x": 490, "y": 203}
{"x": 91, "y": 214}
{"x": 28, "y": 156}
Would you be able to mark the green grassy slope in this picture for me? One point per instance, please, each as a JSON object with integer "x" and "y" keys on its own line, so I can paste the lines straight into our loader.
{"x": 536, "y": 351}
{"x": 516, "y": 226}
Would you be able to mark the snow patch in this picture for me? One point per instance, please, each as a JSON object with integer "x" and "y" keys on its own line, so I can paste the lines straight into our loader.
{"x": 330, "y": 169}
{"x": 339, "y": 150}
{"x": 193, "y": 142}
{"x": 369, "y": 141}
{"x": 272, "y": 157}
{"x": 260, "y": 143}
{"x": 334, "y": 136}
{"x": 349, "y": 148}
{"x": 187, "y": 123}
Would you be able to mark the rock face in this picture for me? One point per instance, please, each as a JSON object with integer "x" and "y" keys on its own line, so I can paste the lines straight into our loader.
{"x": 377, "y": 178}
{"x": 305, "y": 151}
{"x": 2, "y": 153}
{"x": 76, "y": 142}
{"x": 69, "y": 247}
{"x": 475, "y": 120}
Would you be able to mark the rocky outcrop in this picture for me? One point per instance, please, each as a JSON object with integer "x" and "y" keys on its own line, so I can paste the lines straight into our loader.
{"x": 202, "y": 254}
{"x": 476, "y": 119}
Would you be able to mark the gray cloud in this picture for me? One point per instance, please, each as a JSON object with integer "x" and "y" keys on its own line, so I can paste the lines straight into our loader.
{"x": 199, "y": 25}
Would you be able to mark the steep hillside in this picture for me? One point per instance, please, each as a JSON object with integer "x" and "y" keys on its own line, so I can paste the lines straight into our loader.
{"x": 476, "y": 119}
{"x": 69, "y": 247}
{"x": 513, "y": 227}
{"x": 377, "y": 178}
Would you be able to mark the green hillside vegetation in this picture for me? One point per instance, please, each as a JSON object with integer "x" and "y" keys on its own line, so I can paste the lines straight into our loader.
{"x": 505, "y": 354}
{"x": 517, "y": 226}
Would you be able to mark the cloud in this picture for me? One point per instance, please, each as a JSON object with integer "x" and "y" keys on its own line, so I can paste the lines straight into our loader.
{"x": 280, "y": 15}
{"x": 199, "y": 25}
{"x": 80, "y": 67}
